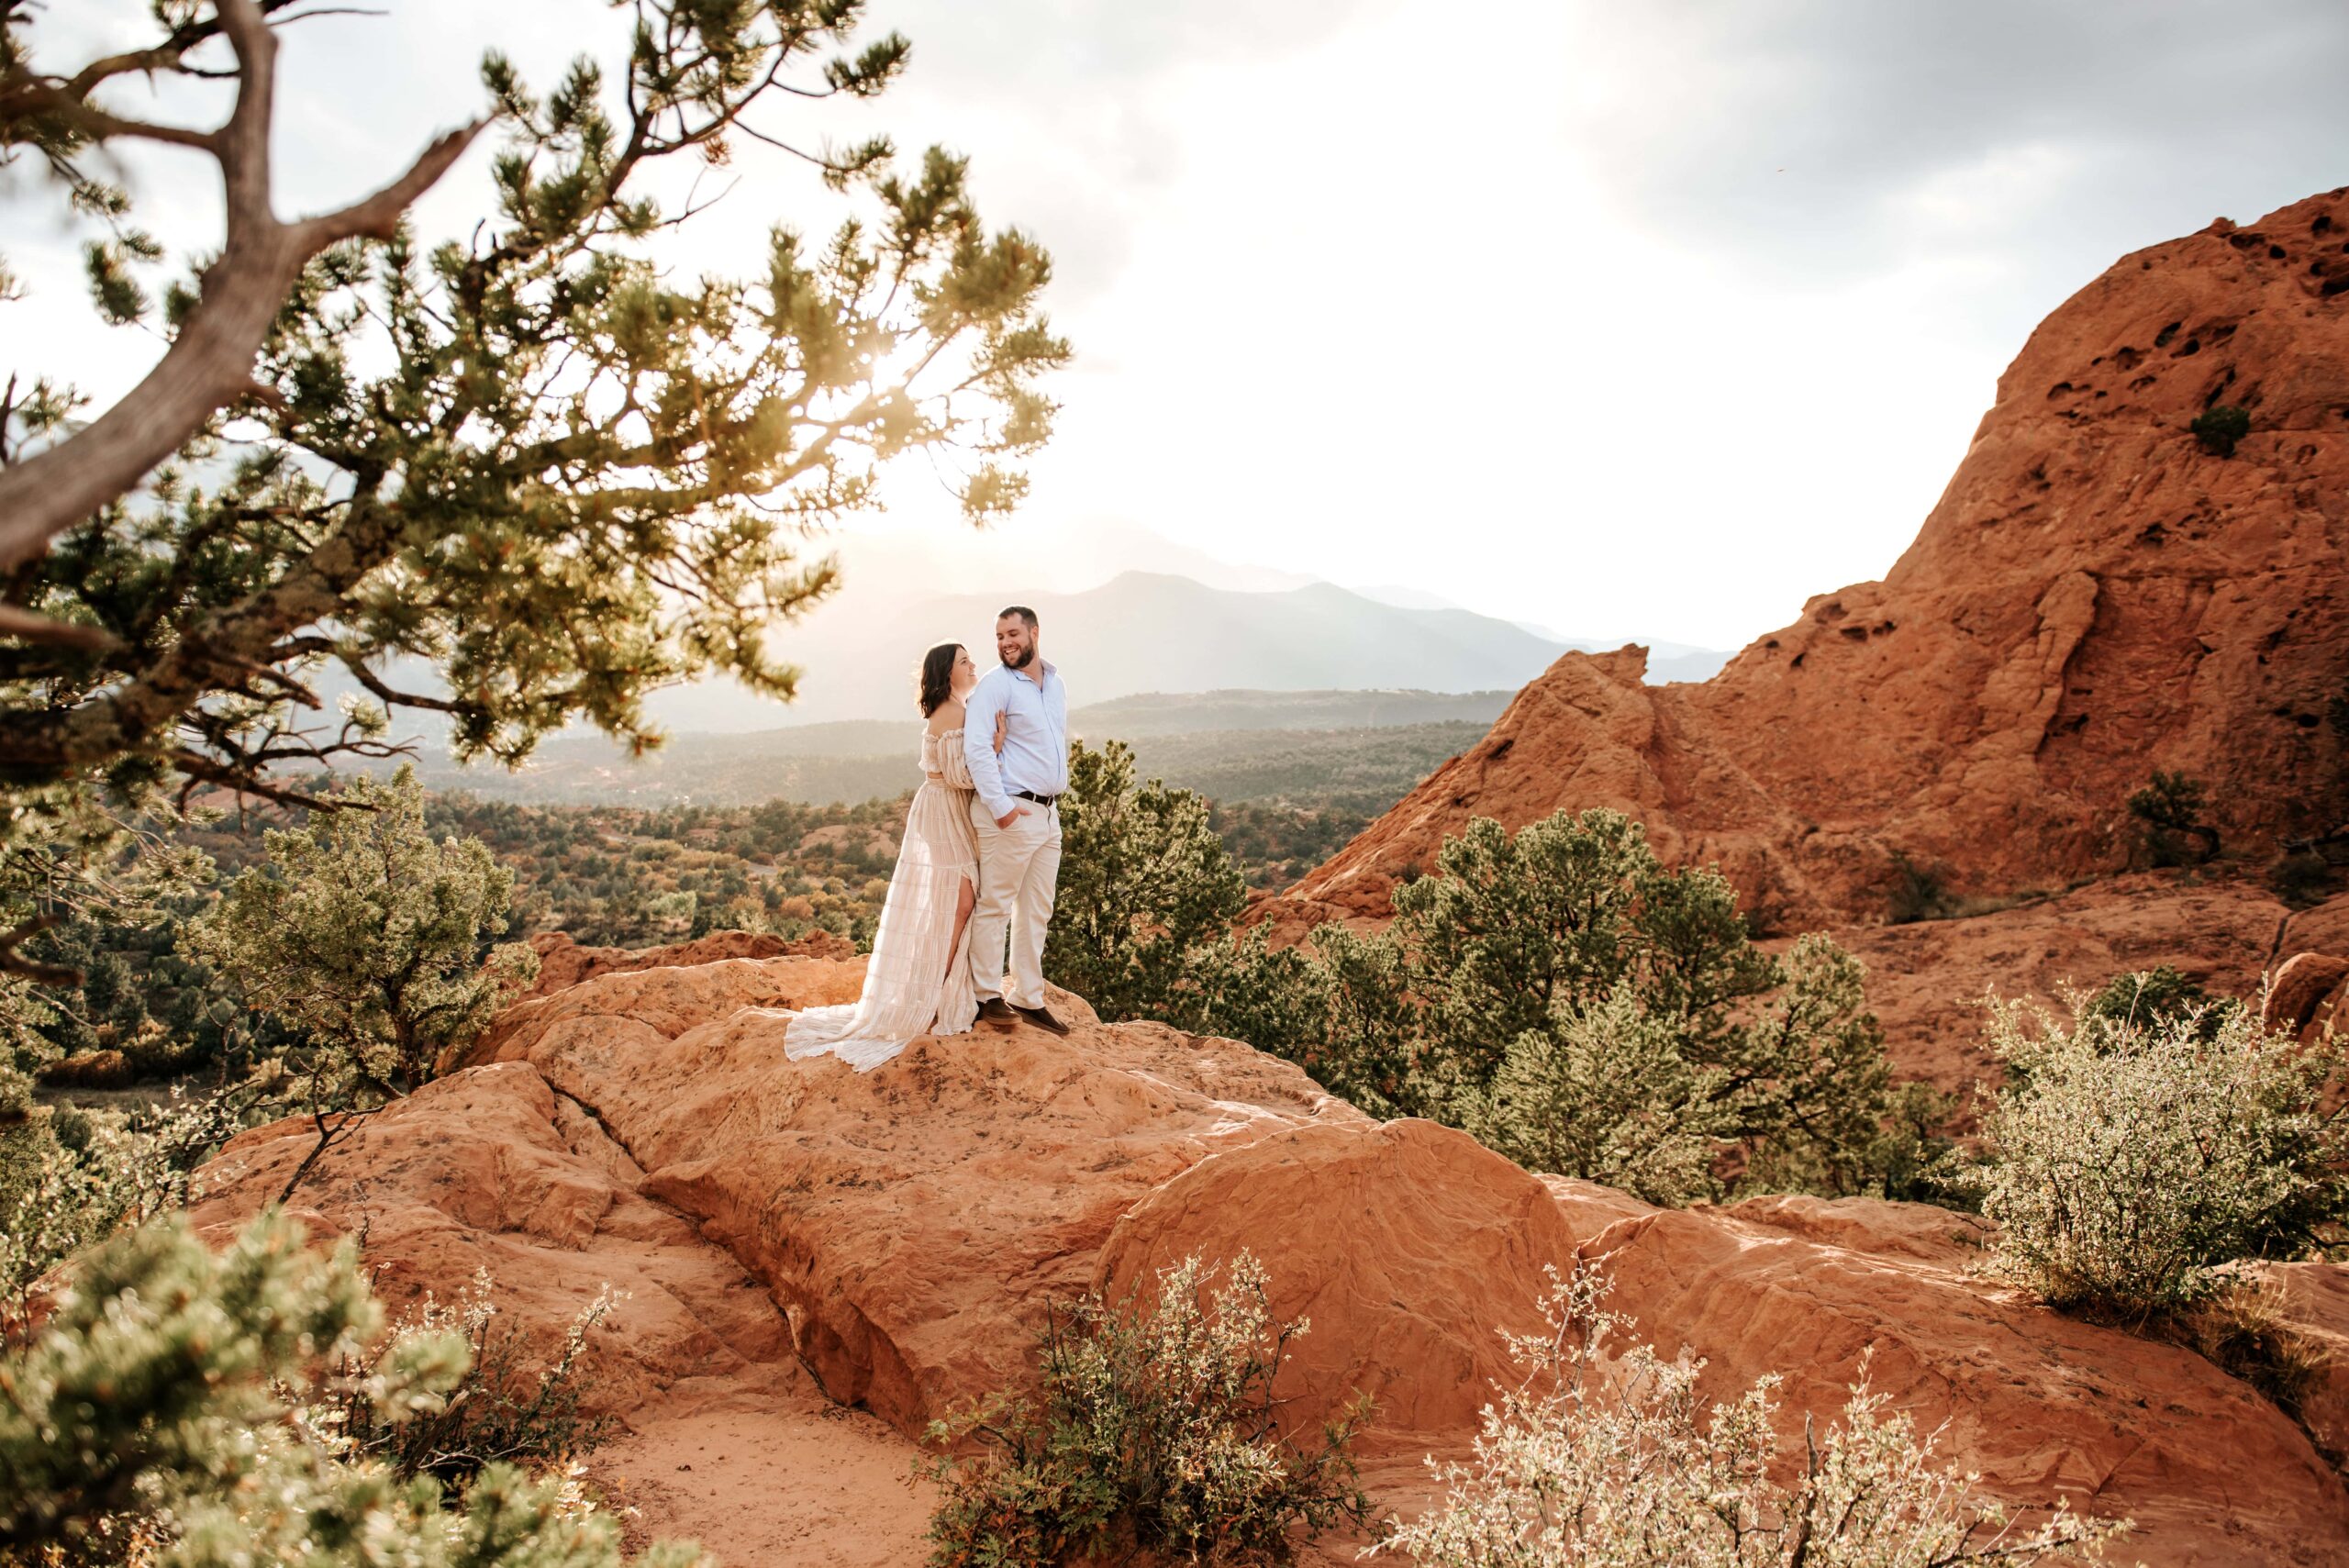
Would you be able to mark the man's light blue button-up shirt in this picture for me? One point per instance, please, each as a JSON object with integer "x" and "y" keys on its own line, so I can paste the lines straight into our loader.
{"x": 1035, "y": 738}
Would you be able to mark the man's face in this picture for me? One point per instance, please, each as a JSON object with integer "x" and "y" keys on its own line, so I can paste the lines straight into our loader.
{"x": 1015, "y": 643}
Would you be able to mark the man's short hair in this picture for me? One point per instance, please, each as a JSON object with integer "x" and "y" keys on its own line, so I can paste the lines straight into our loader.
{"x": 1027, "y": 616}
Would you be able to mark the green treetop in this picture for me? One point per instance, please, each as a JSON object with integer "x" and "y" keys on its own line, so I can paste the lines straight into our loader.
{"x": 366, "y": 937}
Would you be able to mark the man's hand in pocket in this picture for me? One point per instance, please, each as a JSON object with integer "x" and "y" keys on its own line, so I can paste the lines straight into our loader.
{"x": 1017, "y": 813}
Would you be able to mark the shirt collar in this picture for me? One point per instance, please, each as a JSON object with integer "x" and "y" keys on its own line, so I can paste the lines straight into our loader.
{"x": 1051, "y": 670}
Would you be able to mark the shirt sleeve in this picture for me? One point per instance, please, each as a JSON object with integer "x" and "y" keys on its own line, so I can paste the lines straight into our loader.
{"x": 1059, "y": 715}
{"x": 978, "y": 746}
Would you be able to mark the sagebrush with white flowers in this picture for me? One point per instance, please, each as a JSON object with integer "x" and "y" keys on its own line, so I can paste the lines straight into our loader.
{"x": 2129, "y": 1159}
{"x": 1607, "y": 1454}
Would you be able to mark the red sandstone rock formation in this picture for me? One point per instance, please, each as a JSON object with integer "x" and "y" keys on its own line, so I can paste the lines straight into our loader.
{"x": 2309, "y": 997}
{"x": 562, "y": 963}
{"x": 2096, "y": 596}
{"x": 900, "y": 1232}
{"x": 1925, "y": 980}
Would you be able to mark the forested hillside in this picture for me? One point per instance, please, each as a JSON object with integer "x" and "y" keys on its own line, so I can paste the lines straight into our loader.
{"x": 1366, "y": 769}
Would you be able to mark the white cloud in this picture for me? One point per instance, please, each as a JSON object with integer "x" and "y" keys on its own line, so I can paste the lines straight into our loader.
{"x": 1648, "y": 319}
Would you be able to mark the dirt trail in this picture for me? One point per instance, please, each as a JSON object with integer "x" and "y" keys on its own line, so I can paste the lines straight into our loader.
{"x": 767, "y": 1475}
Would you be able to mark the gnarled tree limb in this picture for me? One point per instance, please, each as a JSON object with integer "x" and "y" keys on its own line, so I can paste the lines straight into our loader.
{"x": 209, "y": 364}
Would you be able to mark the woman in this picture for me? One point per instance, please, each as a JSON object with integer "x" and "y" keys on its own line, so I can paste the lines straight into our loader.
{"x": 918, "y": 979}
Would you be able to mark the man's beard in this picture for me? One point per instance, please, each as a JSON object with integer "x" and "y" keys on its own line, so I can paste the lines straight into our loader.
{"x": 1027, "y": 657}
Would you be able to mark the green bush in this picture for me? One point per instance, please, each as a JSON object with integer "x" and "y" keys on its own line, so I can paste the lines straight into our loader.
{"x": 1157, "y": 1431}
{"x": 1919, "y": 892}
{"x": 1604, "y": 1453}
{"x": 2221, "y": 427}
{"x": 2302, "y": 879}
{"x": 2157, "y": 997}
{"x": 1145, "y": 879}
{"x": 71, "y": 1180}
{"x": 2128, "y": 1162}
{"x": 1562, "y": 995}
{"x": 2171, "y": 808}
{"x": 367, "y": 938}
{"x": 1335, "y": 1005}
{"x": 1609, "y": 1095}
{"x": 505, "y": 1408}
{"x": 149, "y": 1407}
{"x": 26, "y": 1020}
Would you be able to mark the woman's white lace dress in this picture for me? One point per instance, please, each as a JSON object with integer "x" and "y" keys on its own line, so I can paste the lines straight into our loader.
{"x": 918, "y": 979}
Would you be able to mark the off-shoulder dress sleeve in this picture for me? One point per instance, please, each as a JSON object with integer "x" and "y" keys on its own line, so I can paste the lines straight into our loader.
{"x": 953, "y": 767}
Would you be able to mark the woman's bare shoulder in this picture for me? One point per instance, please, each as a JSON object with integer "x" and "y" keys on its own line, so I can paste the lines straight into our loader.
{"x": 949, "y": 716}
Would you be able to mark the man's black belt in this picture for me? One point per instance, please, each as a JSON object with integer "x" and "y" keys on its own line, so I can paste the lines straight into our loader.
{"x": 1031, "y": 794}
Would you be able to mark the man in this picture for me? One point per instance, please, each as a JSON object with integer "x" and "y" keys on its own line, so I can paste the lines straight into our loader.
{"x": 1015, "y": 808}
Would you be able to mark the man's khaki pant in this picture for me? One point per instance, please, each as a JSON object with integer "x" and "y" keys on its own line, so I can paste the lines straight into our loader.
{"x": 1020, "y": 868}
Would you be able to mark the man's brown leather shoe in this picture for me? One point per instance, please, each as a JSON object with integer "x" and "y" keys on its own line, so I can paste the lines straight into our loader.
{"x": 997, "y": 1014}
{"x": 1042, "y": 1019}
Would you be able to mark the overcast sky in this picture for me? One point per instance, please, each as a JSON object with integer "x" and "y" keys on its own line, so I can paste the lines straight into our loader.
{"x": 1631, "y": 320}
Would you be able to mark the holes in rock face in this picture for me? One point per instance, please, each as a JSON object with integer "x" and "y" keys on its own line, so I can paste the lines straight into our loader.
{"x": 2191, "y": 346}
{"x": 2323, "y": 225}
{"x": 2077, "y": 722}
{"x": 2060, "y": 388}
{"x": 2162, "y": 338}
{"x": 2333, "y": 285}
{"x": 2276, "y": 253}
{"x": 2038, "y": 474}
{"x": 2143, "y": 382}
{"x": 2102, "y": 395}
{"x": 2126, "y": 359}
{"x": 1857, "y": 633}
{"x": 1770, "y": 643}
{"x": 2221, "y": 332}
{"x": 2304, "y": 454}
{"x": 2306, "y": 720}
{"x": 1794, "y": 662}
{"x": 1830, "y": 612}
{"x": 2152, "y": 534}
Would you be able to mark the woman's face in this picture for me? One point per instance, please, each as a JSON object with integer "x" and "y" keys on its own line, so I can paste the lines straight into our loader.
{"x": 967, "y": 674}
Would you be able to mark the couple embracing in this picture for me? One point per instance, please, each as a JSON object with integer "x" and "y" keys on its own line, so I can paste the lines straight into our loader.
{"x": 980, "y": 862}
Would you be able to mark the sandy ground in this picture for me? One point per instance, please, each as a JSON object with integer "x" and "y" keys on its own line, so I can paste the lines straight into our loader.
{"x": 774, "y": 1476}
{"x": 766, "y": 1475}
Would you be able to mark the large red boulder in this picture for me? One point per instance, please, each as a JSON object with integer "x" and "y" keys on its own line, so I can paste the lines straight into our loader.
{"x": 901, "y": 1232}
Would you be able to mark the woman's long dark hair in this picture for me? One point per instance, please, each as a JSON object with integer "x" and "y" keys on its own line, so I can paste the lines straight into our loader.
{"x": 937, "y": 676}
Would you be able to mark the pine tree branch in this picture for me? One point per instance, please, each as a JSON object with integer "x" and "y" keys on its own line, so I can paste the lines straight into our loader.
{"x": 391, "y": 698}
{"x": 45, "y": 745}
{"x": 209, "y": 364}
{"x": 19, "y": 622}
{"x": 37, "y": 972}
